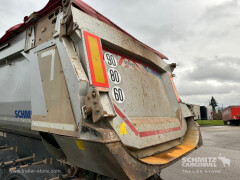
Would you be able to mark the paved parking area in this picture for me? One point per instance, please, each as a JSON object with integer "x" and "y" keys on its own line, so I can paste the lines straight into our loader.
{"x": 221, "y": 147}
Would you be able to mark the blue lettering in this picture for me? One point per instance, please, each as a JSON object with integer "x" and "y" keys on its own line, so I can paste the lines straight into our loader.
{"x": 23, "y": 114}
{"x": 27, "y": 115}
{"x": 20, "y": 112}
{"x": 16, "y": 114}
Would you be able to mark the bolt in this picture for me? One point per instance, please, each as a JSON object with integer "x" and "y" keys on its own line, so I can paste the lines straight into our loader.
{"x": 94, "y": 94}
{"x": 65, "y": 3}
{"x": 88, "y": 98}
{"x": 88, "y": 110}
{"x": 69, "y": 171}
{"x": 97, "y": 110}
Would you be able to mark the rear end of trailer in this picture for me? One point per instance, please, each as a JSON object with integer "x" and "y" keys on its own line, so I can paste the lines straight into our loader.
{"x": 203, "y": 112}
{"x": 231, "y": 115}
{"x": 209, "y": 110}
{"x": 197, "y": 112}
{"x": 100, "y": 100}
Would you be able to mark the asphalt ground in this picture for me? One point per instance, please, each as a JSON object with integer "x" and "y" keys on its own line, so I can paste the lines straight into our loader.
{"x": 221, "y": 145}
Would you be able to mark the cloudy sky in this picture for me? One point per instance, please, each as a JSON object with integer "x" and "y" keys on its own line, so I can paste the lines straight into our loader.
{"x": 201, "y": 36}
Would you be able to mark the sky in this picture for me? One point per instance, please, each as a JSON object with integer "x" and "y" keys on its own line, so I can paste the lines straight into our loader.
{"x": 201, "y": 36}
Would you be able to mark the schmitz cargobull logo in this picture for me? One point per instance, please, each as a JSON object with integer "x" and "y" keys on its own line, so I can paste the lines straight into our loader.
{"x": 205, "y": 161}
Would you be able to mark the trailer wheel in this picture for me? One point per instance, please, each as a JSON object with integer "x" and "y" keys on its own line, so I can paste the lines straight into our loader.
{"x": 16, "y": 177}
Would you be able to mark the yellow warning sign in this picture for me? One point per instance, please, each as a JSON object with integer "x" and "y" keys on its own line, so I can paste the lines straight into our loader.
{"x": 122, "y": 129}
{"x": 80, "y": 145}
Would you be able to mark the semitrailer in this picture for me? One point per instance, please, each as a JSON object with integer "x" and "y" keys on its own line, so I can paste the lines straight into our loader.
{"x": 196, "y": 109}
{"x": 203, "y": 112}
{"x": 231, "y": 115}
{"x": 82, "y": 98}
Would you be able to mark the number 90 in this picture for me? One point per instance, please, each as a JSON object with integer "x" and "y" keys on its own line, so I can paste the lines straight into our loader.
{"x": 110, "y": 59}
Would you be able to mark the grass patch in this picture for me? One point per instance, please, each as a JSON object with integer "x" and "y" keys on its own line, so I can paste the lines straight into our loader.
{"x": 211, "y": 122}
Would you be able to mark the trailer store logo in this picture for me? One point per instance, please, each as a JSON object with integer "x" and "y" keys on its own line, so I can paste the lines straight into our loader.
{"x": 210, "y": 162}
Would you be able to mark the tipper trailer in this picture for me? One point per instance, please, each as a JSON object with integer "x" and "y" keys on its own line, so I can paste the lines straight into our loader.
{"x": 89, "y": 98}
{"x": 231, "y": 115}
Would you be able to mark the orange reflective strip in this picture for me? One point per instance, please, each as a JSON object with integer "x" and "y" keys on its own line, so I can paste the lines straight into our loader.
{"x": 174, "y": 87}
{"x": 169, "y": 155}
{"x": 95, "y": 59}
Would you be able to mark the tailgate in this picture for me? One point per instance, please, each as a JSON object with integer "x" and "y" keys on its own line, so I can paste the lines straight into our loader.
{"x": 147, "y": 114}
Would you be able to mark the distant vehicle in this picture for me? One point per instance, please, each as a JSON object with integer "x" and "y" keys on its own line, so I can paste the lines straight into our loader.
{"x": 209, "y": 112}
{"x": 196, "y": 109}
{"x": 203, "y": 112}
{"x": 206, "y": 113}
{"x": 231, "y": 115}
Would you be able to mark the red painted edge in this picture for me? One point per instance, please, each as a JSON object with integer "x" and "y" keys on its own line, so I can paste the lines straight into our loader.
{"x": 94, "y": 82}
{"x": 162, "y": 131}
{"x": 126, "y": 57}
{"x": 146, "y": 133}
{"x": 126, "y": 120}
